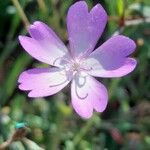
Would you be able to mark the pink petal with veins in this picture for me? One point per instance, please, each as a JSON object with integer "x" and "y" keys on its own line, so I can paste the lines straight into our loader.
{"x": 88, "y": 94}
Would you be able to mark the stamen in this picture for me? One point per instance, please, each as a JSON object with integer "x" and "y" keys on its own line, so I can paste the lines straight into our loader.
{"x": 56, "y": 60}
{"x": 84, "y": 81}
{"x": 86, "y": 69}
{"x": 83, "y": 97}
{"x": 58, "y": 83}
{"x": 80, "y": 85}
{"x": 60, "y": 58}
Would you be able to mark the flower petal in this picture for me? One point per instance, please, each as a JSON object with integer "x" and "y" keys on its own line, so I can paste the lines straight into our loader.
{"x": 44, "y": 45}
{"x": 85, "y": 28}
{"x": 43, "y": 81}
{"x": 127, "y": 67}
{"x": 112, "y": 54}
{"x": 88, "y": 94}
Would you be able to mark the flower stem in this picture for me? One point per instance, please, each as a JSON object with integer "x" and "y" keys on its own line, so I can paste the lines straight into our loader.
{"x": 21, "y": 13}
{"x": 84, "y": 130}
{"x": 42, "y": 6}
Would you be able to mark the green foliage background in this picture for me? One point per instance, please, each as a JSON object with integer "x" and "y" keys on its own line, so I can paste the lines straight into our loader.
{"x": 125, "y": 125}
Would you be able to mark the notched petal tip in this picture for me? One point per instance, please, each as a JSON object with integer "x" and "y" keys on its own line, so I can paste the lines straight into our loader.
{"x": 133, "y": 63}
{"x": 99, "y": 8}
{"x": 21, "y": 37}
{"x": 22, "y": 88}
{"x": 38, "y": 22}
{"x": 88, "y": 22}
{"x": 31, "y": 29}
{"x": 80, "y": 3}
{"x": 35, "y": 23}
{"x": 33, "y": 26}
{"x": 127, "y": 39}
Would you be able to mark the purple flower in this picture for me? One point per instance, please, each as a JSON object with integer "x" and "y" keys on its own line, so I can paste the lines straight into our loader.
{"x": 78, "y": 63}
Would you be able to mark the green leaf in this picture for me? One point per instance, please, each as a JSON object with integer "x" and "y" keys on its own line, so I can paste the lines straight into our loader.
{"x": 11, "y": 81}
{"x": 120, "y": 7}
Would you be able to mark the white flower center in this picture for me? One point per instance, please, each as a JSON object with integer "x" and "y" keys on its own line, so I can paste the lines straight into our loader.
{"x": 75, "y": 66}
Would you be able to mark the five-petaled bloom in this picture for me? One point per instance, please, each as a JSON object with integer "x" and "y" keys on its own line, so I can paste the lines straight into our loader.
{"x": 78, "y": 63}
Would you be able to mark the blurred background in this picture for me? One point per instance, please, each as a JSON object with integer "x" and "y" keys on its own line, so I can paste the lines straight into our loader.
{"x": 52, "y": 123}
